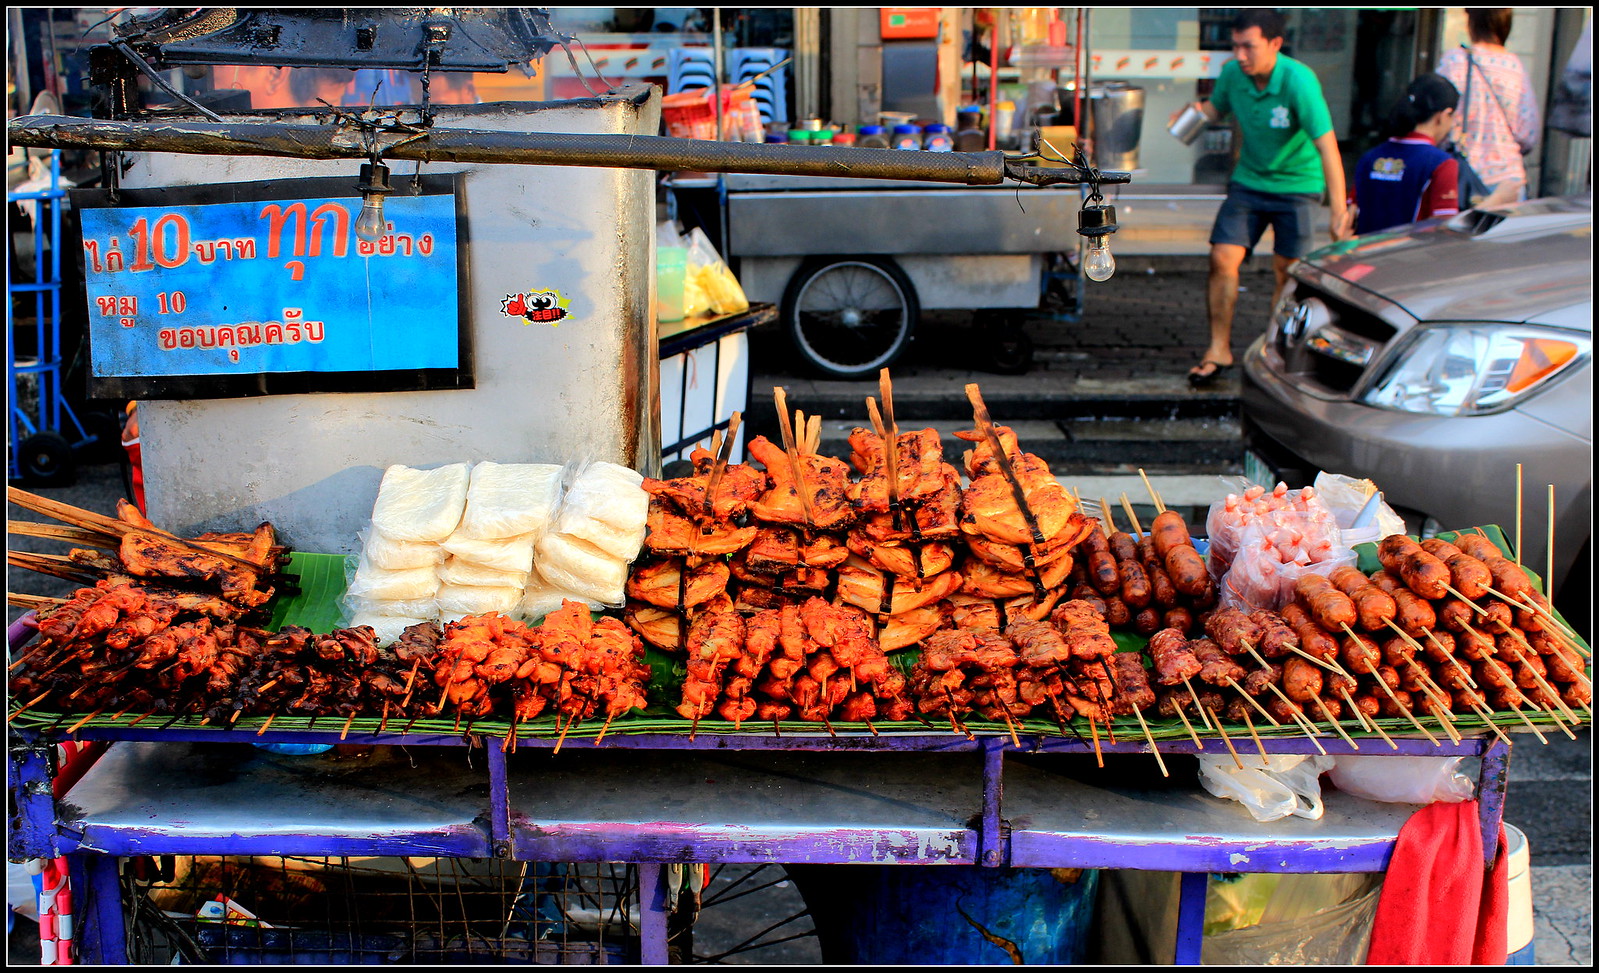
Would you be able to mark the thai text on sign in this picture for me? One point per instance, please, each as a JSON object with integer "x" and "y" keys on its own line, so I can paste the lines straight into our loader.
{"x": 269, "y": 286}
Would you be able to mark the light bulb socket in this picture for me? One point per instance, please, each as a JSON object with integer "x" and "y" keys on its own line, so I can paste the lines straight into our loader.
{"x": 374, "y": 179}
{"x": 1096, "y": 222}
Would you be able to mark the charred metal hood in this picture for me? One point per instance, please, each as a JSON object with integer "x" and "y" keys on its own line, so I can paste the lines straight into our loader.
{"x": 405, "y": 38}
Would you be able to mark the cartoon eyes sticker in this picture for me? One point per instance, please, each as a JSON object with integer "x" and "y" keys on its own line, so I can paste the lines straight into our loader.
{"x": 543, "y": 307}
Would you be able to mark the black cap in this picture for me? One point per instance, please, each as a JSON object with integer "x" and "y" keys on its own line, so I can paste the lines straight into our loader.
{"x": 1431, "y": 93}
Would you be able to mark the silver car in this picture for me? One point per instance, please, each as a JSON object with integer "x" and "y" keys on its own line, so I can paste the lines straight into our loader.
{"x": 1434, "y": 358}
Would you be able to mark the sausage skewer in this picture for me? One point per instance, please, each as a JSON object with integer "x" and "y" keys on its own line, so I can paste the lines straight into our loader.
{"x": 1383, "y": 685}
{"x": 1289, "y": 707}
{"x": 1450, "y": 656}
{"x": 1337, "y": 727}
{"x": 1369, "y": 723}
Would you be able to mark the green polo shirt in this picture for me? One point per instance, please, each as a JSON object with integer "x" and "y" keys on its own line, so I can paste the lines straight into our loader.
{"x": 1278, "y": 124}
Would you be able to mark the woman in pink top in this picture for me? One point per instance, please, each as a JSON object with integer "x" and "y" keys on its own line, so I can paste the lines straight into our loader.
{"x": 1499, "y": 107}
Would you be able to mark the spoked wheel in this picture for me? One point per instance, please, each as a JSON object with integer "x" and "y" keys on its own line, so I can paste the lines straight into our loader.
{"x": 850, "y": 316}
{"x": 753, "y": 914}
{"x": 45, "y": 459}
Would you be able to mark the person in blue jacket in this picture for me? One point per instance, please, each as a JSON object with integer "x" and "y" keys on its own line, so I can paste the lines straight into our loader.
{"x": 1408, "y": 177}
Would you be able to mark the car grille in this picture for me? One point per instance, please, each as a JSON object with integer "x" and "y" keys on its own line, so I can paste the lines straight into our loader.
{"x": 1328, "y": 341}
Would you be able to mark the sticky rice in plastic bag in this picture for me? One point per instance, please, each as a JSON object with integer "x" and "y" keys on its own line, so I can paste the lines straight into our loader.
{"x": 606, "y": 506}
{"x": 581, "y": 568}
{"x": 376, "y": 584}
{"x": 463, "y": 572}
{"x": 474, "y": 600}
{"x": 539, "y": 598}
{"x": 421, "y": 505}
{"x": 511, "y": 499}
{"x": 389, "y": 554}
{"x": 513, "y": 554}
{"x": 388, "y": 627}
{"x": 424, "y": 608}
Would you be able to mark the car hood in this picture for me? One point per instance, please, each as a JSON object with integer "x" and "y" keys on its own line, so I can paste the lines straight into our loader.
{"x": 1514, "y": 263}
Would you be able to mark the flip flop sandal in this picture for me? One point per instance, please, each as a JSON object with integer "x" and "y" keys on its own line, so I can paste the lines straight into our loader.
{"x": 1199, "y": 380}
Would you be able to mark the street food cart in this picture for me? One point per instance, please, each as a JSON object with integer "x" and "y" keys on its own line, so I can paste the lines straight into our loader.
{"x": 544, "y": 353}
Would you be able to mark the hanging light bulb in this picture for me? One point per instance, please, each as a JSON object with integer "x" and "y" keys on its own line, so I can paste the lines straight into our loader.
{"x": 369, "y": 225}
{"x": 1097, "y": 222}
{"x": 1098, "y": 264}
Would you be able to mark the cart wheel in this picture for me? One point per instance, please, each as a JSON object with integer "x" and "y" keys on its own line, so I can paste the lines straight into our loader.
{"x": 45, "y": 458}
{"x": 1009, "y": 350}
{"x": 850, "y": 316}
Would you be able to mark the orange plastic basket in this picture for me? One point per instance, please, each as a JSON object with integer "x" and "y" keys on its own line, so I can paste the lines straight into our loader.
{"x": 688, "y": 115}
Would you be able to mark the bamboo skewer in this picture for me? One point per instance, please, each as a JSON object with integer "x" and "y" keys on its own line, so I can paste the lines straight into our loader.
{"x": 1295, "y": 711}
{"x": 1553, "y": 695}
{"x": 1549, "y": 547}
{"x": 793, "y": 454}
{"x": 1337, "y": 728}
{"x": 986, "y": 425}
{"x": 346, "y": 731}
{"x": 1474, "y": 606}
{"x": 1255, "y": 735}
{"x": 54, "y": 565}
{"x": 1132, "y": 518}
{"x": 1198, "y": 743}
{"x": 1518, "y": 514}
{"x": 74, "y": 727}
{"x": 61, "y": 532}
{"x": 1487, "y": 721}
{"x": 562, "y": 737}
{"x": 269, "y": 719}
{"x": 607, "y": 725}
{"x": 1227, "y": 740}
{"x": 719, "y": 461}
{"x": 1160, "y": 508}
{"x": 33, "y": 602}
{"x": 78, "y": 517}
{"x": 1011, "y": 725}
{"x": 1093, "y": 728}
{"x": 1530, "y": 725}
{"x": 1383, "y": 684}
{"x": 1151, "y": 738}
{"x": 1203, "y": 719}
{"x": 1449, "y": 728}
{"x": 1255, "y": 703}
{"x": 1464, "y": 672}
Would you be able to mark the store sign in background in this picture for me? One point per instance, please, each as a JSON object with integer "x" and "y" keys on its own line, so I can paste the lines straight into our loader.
{"x": 257, "y": 286}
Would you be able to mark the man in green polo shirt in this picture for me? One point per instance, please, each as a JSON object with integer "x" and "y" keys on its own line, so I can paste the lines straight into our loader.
{"x": 1287, "y": 160}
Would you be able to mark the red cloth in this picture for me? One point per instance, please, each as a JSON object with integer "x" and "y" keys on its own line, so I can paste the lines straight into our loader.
{"x": 1439, "y": 905}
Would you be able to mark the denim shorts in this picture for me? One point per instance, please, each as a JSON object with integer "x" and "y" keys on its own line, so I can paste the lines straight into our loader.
{"x": 1246, "y": 213}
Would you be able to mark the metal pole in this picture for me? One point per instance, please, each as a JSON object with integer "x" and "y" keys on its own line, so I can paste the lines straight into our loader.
{"x": 993, "y": 75}
{"x": 461, "y": 145}
{"x": 716, "y": 69}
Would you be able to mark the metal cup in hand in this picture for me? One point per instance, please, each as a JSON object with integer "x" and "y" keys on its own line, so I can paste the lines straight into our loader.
{"x": 1188, "y": 125}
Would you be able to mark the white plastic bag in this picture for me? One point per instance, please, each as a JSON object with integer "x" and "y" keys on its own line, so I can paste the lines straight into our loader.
{"x": 421, "y": 505}
{"x": 1345, "y": 496}
{"x": 510, "y": 500}
{"x": 1276, "y": 788}
{"x": 389, "y": 554}
{"x": 1402, "y": 780}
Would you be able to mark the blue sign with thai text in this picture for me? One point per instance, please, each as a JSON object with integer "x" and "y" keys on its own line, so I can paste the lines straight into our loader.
{"x": 245, "y": 288}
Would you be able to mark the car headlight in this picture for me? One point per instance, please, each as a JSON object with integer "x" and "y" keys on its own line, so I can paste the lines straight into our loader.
{"x": 1454, "y": 370}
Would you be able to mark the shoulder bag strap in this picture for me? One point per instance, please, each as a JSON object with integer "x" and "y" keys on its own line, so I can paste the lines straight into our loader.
{"x": 1471, "y": 62}
{"x": 1465, "y": 97}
